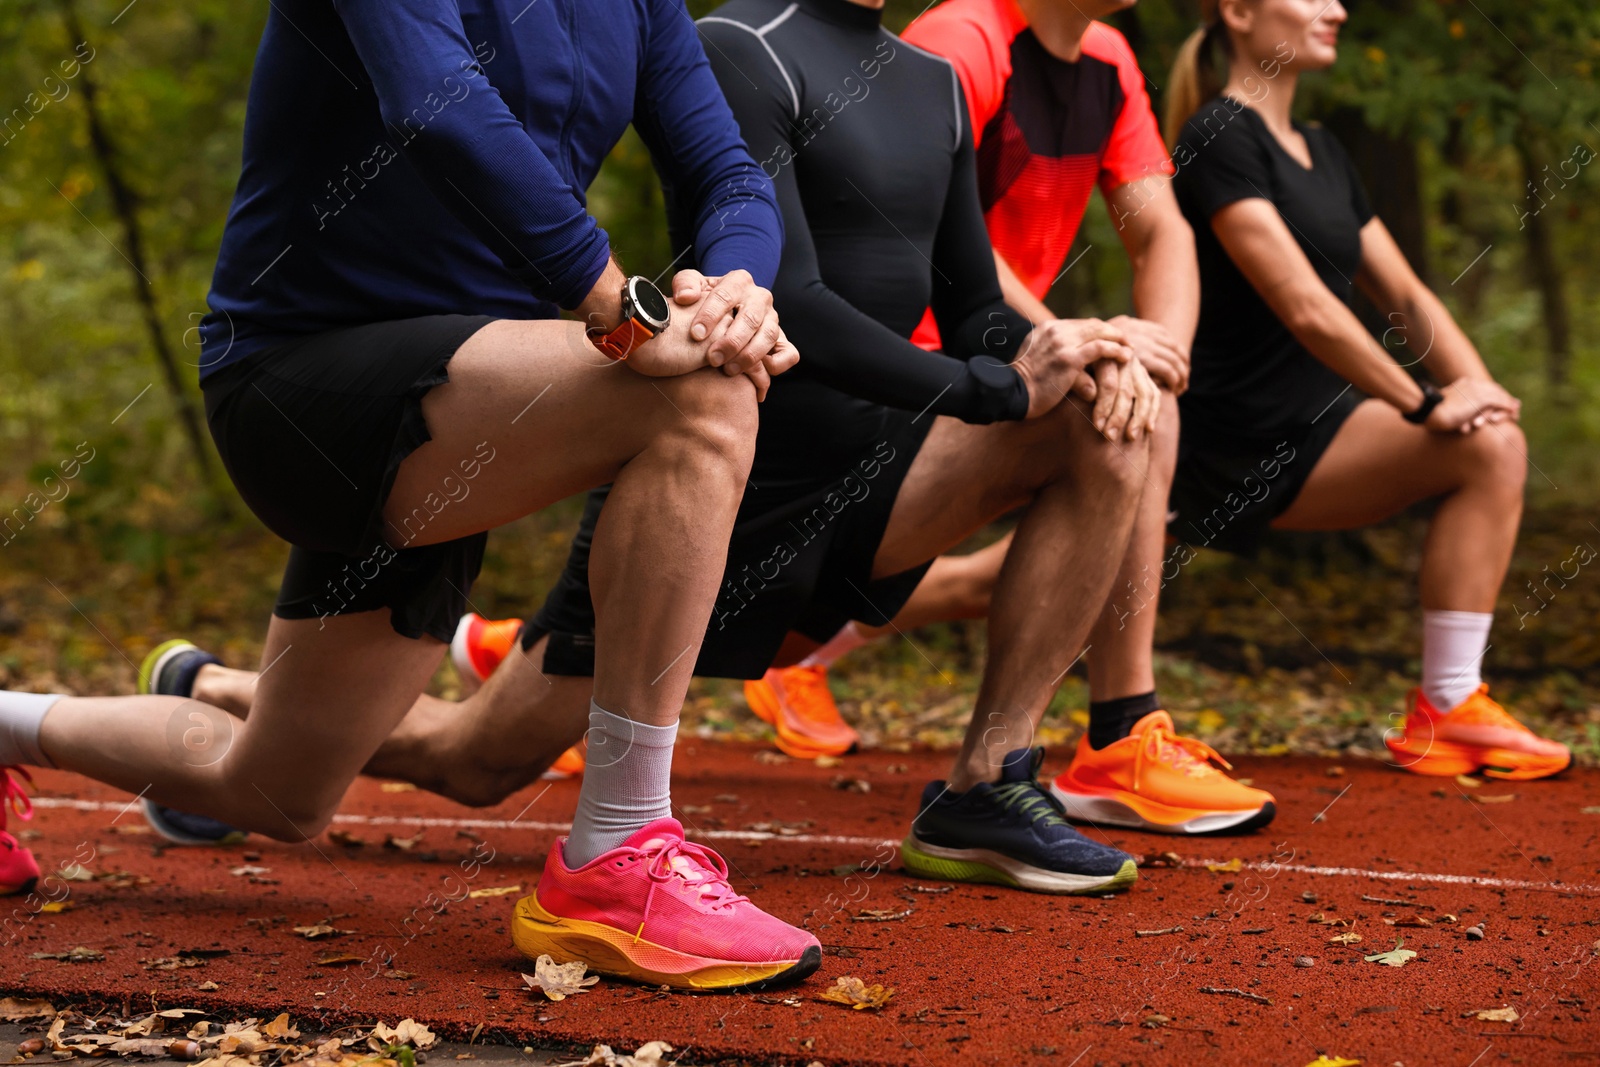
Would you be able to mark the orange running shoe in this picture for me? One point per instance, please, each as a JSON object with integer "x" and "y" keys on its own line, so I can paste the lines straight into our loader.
{"x": 1476, "y": 736}
{"x": 1153, "y": 779}
{"x": 799, "y": 705}
{"x": 481, "y": 645}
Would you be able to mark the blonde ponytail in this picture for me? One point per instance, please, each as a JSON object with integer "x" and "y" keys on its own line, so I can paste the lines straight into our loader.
{"x": 1194, "y": 78}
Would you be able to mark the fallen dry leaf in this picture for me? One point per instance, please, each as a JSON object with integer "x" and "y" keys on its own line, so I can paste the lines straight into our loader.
{"x": 398, "y": 787}
{"x": 1467, "y": 783}
{"x": 12, "y": 1010}
{"x": 1348, "y": 938}
{"x": 1497, "y": 1015}
{"x": 1324, "y": 920}
{"x": 281, "y": 1029}
{"x": 1333, "y": 1061}
{"x": 1503, "y": 798}
{"x": 320, "y": 931}
{"x": 879, "y": 915}
{"x": 56, "y": 907}
{"x": 1395, "y": 957}
{"x": 74, "y": 955}
{"x": 249, "y": 871}
{"x": 347, "y": 839}
{"x": 1410, "y": 920}
{"x": 340, "y": 959}
{"x": 403, "y": 844}
{"x": 1160, "y": 859}
{"x": 496, "y": 891}
{"x": 1233, "y": 866}
{"x": 171, "y": 963}
{"x": 405, "y": 1032}
{"x": 558, "y": 981}
{"x": 648, "y": 1055}
{"x": 853, "y": 993}
{"x": 75, "y": 872}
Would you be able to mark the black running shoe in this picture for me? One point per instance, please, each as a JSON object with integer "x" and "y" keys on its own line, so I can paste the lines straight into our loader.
{"x": 1012, "y": 833}
{"x": 170, "y": 670}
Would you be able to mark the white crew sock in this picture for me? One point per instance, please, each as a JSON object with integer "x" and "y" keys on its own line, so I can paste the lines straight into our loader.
{"x": 847, "y": 640}
{"x": 1453, "y": 644}
{"x": 627, "y": 783}
{"x": 21, "y": 715}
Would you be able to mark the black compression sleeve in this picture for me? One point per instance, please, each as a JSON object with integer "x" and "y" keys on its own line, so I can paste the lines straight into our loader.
{"x": 974, "y": 319}
{"x": 840, "y": 345}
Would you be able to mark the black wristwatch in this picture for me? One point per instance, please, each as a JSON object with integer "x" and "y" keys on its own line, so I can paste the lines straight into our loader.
{"x": 1431, "y": 398}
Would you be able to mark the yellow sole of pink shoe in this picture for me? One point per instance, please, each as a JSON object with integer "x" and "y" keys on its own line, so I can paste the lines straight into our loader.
{"x": 608, "y": 950}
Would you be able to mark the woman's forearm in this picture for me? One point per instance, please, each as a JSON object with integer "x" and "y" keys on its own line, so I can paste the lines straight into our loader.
{"x": 1331, "y": 332}
{"x": 1437, "y": 342}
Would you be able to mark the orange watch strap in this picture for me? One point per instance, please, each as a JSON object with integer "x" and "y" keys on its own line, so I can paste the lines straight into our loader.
{"x": 620, "y": 343}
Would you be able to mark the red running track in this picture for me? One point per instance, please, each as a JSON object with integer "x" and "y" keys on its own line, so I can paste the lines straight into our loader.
{"x": 983, "y": 975}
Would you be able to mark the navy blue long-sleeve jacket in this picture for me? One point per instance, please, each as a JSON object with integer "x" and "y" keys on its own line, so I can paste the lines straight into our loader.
{"x": 416, "y": 157}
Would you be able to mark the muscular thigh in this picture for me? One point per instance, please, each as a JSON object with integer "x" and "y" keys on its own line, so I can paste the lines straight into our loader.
{"x": 330, "y": 692}
{"x": 1376, "y": 466}
{"x": 532, "y": 414}
{"x": 966, "y": 476}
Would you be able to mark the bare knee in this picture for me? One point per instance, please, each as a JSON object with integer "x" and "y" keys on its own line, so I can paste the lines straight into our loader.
{"x": 717, "y": 412}
{"x": 297, "y": 820}
{"x": 1497, "y": 456}
{"x": 1119, "y": 468}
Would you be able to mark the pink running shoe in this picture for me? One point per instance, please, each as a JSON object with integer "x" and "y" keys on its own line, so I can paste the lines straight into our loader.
{"x": 19, "y": 871}
{"x": 659, "y": 910}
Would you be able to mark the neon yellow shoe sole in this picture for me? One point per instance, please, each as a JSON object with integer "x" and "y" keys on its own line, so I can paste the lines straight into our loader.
{"x": 147, "y": 668}
{"x": 992, "y": 868}
{"x": 609, "y": 950}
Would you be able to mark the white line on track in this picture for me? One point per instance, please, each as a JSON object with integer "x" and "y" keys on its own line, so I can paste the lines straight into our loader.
{"x": 422, "y": 821}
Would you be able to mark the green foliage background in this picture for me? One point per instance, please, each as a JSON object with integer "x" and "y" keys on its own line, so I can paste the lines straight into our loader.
{"x": 1458, "y": 83}
{"x": 1467, "y": 97}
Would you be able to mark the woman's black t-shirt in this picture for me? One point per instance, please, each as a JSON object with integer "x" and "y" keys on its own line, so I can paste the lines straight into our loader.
{"x": 1251, "y": 379}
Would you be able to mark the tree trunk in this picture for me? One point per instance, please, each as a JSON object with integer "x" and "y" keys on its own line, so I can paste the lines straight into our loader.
{"x": 1547, "y": 276}
{"x": 125, "y": 204}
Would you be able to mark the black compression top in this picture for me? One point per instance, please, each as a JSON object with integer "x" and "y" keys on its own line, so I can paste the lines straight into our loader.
{"x": 866, "y": 139}
{"x": 1251, "y": 377}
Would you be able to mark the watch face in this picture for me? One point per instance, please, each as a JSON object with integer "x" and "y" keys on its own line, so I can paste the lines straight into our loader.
{"x": 649, "y": 301}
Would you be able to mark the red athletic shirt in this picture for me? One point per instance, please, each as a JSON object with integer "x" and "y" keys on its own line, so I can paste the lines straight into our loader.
{"x": 1046, "y": 129}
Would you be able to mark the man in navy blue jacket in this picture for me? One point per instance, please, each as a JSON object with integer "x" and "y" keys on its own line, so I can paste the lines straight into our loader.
{"x": 386, "y": 379}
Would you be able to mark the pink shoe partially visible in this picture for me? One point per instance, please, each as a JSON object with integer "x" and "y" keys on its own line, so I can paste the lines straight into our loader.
{"x": 659, "y": 910}
{"x": 19, "y": 871}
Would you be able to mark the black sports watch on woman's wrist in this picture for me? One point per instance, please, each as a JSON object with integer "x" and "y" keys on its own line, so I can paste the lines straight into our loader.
{"x": 1431, "y": 398}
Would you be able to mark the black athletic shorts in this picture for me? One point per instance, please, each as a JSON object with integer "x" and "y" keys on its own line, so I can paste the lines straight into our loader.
{"x": 800, "y": 557}
{"x": 312, "y": 432}
{"x": 1228, "y": 488}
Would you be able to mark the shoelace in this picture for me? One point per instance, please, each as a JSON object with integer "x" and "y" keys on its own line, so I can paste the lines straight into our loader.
{"x": 13, "y": 796}
{"x": 1485, "y": 709}
{"x": 1185, "y": 752}
{"x": 1029, "y": 800}
{"x": 699, "y": 868}
{"x": 810, "y": 695}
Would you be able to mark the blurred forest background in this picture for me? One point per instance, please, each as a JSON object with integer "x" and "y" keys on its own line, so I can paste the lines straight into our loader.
{"x": 1474, "y": 123}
